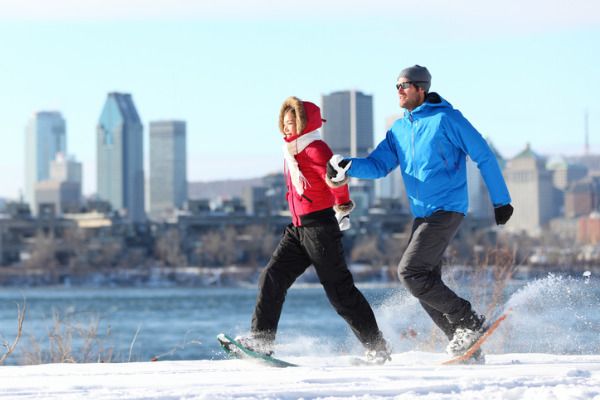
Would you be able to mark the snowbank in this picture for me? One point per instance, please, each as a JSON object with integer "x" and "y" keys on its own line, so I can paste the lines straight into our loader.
{"x": 411, "y": 375}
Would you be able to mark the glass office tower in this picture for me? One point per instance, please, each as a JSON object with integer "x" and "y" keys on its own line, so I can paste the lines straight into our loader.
{"x": 168, "y": 161}
{"x": 120, "y": 157}
{"x": 45, "y": 137}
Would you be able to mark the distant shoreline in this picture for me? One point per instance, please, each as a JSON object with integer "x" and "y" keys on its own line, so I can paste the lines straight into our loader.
{"x": 233, "y": 276}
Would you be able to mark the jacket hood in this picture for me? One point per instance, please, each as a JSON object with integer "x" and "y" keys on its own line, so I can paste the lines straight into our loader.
{"x": 308, "y": 115}
{"x": 433, "y": 102}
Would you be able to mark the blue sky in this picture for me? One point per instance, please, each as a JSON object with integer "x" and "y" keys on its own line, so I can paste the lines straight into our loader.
{"x": 520, "y": 72}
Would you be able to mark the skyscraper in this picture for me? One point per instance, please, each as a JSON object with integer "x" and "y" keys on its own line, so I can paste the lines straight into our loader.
{"x": 349, "y": 132}
{"x": 45, "y": 137}
{"x": 168, "y": 161}
{"x": 349, "y": 127}
{"x": 120, "y": 155}
{"x": 530, "y": 186}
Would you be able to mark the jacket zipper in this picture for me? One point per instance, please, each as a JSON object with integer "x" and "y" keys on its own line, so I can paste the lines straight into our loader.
{"x": 291, "y": 193}
{"x": 303, "y": 195}
{"x": 412, "y": 131}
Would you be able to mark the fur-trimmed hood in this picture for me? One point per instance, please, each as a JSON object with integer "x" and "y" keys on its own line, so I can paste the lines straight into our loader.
{"x": 308, "y": 115}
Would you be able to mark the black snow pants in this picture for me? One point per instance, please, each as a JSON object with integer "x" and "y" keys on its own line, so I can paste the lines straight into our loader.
{"x": 420, "y": 270}
{"x": 318, "y": 242}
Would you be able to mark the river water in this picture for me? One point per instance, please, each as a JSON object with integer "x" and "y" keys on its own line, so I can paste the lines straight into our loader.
{"x": 555, "y": 314}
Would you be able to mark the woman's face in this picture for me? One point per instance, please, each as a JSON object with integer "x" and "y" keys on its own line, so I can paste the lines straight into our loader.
{"x": 289, "y": 124}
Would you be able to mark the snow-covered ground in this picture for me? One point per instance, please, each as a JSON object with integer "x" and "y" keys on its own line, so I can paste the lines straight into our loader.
{"x": 411, "y": 375}
{"x": 548, "y": 348}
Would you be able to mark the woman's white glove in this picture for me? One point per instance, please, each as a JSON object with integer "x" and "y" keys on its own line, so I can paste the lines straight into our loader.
{"x": 342, "y": 214}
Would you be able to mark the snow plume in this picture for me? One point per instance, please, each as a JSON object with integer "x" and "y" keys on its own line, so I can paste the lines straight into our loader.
{"x": 303, "y": 345}
{"x": 556, "y": 314}
{"x": 406, "y": 325}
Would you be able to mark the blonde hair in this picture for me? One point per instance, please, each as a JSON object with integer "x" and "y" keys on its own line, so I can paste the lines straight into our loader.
{"x": 294, "y": 105}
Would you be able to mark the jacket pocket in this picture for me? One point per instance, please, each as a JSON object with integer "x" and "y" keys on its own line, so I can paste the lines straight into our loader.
{"x": 306, "y": 197}
{"x": 445, "y": 161}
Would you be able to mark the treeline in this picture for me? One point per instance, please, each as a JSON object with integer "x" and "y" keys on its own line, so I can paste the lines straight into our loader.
{"x": 252, "y": 245}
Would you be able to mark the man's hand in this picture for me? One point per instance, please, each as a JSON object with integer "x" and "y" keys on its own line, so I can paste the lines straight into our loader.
{"x": 503, "y": 214}
{"x": 336, "y": 170}
{"x": 342, "y": 214}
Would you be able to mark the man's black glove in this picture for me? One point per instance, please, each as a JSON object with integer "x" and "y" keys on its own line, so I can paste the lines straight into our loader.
{"x": 336, "y": 171}
{"x": 503, "y": 214}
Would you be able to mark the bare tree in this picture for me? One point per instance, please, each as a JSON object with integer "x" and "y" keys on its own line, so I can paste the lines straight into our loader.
{"x": 107, "y": 252}
{"x": 392, "y": 249}
{"x": 168, "y": 248}
{"x": 75, "y": 244}
{"x": 208, "y": 252}
{"x": 43, "y": 254}
{"x": 219, "y": 247}
{"x": 229, "y": 252}
{"x": 9, "y": 348}
{"x": 269, "y": 243}
{"x": 367, "y": 251}
{"x": 133, "y": 257}
{"x": 259, "y": 244}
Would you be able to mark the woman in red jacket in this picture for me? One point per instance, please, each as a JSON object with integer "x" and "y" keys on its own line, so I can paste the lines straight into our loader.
{"x": 313, "y": 238}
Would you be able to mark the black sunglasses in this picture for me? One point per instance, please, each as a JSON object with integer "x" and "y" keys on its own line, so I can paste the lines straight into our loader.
{"x": 406, "y": 85}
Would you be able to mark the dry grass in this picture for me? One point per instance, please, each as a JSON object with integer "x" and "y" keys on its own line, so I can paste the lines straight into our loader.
{"x": 185, "y": 342}
{"x": 500, "y": 264}
{"x": 61, "y": 348}
{"x": 490, "y": 276}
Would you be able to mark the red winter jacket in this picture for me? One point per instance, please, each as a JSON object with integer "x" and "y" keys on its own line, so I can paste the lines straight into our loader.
{"x": 312, "y": 162}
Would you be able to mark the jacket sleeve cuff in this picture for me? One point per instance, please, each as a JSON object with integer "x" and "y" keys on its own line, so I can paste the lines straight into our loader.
{"x": 337, "y": 184}
{"x": 345, "y": 208}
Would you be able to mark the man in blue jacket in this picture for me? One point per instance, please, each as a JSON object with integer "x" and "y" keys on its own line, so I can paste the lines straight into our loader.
{"x": 430, "y": 144}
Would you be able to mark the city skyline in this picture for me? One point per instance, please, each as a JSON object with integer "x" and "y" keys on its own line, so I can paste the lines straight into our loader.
{"x": 518, "y": 76}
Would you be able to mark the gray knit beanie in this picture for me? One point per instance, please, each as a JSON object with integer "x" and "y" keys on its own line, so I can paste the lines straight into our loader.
{"x": 417, "y": 74}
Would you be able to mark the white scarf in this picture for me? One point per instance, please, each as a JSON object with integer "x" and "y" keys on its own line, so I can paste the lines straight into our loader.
{"x": 290, "y": 149}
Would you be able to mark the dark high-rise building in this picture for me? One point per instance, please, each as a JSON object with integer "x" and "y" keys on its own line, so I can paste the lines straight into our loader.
{"x": 349, "y": 132}
{"x": 120, "y": 146}
{"x": 168, "y": 177}
{"x": 349, "y": 127}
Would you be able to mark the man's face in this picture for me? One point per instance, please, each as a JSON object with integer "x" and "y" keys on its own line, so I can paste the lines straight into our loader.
{"x": 411, "y": 97}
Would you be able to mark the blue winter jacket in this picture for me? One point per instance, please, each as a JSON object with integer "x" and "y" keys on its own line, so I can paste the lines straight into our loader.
{"x": 431, "y": 144}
